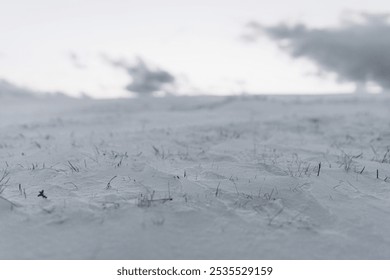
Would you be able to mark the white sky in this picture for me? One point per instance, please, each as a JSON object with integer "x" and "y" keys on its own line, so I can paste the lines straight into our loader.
{"x": 197, "y": 41}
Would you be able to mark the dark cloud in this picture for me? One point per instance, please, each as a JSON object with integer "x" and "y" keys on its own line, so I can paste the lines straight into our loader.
{"x": 358, "y": 50}
{"x": 145, "y": 80}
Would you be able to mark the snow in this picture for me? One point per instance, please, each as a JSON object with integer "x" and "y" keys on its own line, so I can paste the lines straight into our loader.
{"x": 113, "y": 173}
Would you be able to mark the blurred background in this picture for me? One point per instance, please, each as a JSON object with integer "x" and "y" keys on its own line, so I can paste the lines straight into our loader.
{"x": 118, "y": 48}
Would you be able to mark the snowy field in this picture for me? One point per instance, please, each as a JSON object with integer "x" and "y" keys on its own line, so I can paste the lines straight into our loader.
{"x": 195, "y": 178}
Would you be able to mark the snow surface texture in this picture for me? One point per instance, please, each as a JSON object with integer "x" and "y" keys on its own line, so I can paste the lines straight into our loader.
{"x": 196, "y": 178}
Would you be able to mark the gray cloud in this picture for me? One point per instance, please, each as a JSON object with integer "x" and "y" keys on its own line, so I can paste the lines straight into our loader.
{"x": 145, "y": 80}
{"x": 358, "y": 50}
{"x": 76, "y": 60}
{"x": 8, "y": 89}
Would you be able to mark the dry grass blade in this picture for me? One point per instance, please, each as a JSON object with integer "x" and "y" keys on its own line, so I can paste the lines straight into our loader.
{"x": 4, "y": 179}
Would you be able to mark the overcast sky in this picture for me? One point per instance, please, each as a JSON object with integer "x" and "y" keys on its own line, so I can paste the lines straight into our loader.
{"x": 63, "y": 45}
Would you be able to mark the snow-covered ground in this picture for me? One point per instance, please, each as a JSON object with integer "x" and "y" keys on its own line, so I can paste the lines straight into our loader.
{"x": 195, "y": 177}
